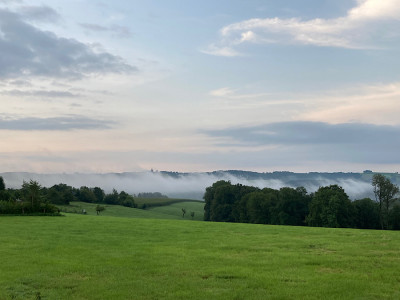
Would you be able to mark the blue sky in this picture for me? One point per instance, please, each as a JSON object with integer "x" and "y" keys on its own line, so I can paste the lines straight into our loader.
{"x": 99, "y": 86}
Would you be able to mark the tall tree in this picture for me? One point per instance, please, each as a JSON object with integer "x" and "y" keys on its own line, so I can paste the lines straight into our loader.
{"x": 384, "y": 191}
{"x": 2, "y": 185}
{"x": 32, "y": 193}
{"x": 330, "y": 207}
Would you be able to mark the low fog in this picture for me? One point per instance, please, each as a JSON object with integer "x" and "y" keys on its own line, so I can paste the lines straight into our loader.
{"x": 192, "y": 185}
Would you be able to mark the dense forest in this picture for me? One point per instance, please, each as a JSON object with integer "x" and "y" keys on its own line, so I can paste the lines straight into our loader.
{"x": 329, "y": 206}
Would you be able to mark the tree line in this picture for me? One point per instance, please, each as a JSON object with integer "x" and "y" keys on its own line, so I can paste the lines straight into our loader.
{"x": 33, "y": 198}
{"x": 27, "y": 200}
{"x": 329, "y": 206}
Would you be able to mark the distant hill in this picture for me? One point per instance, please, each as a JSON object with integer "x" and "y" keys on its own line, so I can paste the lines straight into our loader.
{"x": 192, "y": 185}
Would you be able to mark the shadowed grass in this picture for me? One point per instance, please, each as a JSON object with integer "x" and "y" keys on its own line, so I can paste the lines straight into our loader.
{"x": 100, "y": 257}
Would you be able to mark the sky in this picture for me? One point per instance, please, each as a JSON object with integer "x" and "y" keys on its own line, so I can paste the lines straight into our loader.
{"x": 192, "y": 86}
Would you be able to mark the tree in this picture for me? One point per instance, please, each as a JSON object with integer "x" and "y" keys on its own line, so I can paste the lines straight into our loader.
{"x": 330, "y": 207}
{"x": 259, "y": 206}
{"x": 366, "y": 214}
{"x": 86, "y": 195}
{"x": 394, "y": 217}
{"x": 60, "y": 194}
{"x": 384, "y": 191}
{"x": 112, "y": 198}
{"x": 209, "y": 199}
{"x": 99, "y": 209}
{"x": 292, "y": 207}
{"x": 2, "y": 185}
{"x": 183, "y": 212}
{"x": 99, "y": 194}
{"x": 31, "y": 193}
{"x": 192, "y": 214}
{"x": 3, "y": 194}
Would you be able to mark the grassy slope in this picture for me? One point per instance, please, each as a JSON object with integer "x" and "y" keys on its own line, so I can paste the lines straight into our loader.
{"x": 161, "y": 201}
{"x": 171, "y": 211}
{"x": 119, "y": 211}
{"x": 175, "y": 209}
{"x": 100, "y": 257}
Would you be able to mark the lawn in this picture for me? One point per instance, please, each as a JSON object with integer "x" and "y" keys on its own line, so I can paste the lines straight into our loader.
{"x": 103, "y": 257}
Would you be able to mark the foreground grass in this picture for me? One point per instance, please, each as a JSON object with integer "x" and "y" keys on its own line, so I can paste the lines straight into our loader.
{"x": 91, "y": 257}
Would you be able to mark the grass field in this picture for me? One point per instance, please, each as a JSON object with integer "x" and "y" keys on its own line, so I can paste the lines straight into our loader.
{"x": 175, "y": 210}
{"x": 172, "y": 211}
{"x": 101, "y": 257}
{"x": 154, "y": 202}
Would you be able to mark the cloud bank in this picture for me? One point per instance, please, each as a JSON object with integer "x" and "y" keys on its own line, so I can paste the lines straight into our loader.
{"x": 27, "y": 51}
{"x": 310, "y": 141}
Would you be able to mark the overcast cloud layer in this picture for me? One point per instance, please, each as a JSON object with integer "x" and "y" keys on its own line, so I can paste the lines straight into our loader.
{"x": 263, "y": 85}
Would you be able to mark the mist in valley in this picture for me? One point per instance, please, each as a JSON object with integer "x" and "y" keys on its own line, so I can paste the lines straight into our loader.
{"x": 193, "y": 185}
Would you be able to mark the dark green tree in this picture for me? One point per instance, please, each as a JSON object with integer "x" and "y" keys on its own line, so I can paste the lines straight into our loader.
{"x": 86, "y": 195}
{"x": 60, "y": 194}
{"x": 31, "y": 193}
{"x": 112, "y": 198}
{"x": 99, "y": 209}
{"x": 384, "y": 191}
{"x": 210, "y": 201}
{"x": 394, "y": 217}
{"x": 292, "y": 207}
{"x": 330, "y": 207}
{"x": 259, "y": 207}
{"x": 3, "y": 193}
{"x": 366, "y": 214}
{"x": 126, "y": 200}
{"x": 99, "y": 194}
{"x": 2, "y": 184}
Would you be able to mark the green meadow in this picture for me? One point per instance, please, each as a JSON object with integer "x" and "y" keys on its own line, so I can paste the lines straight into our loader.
{"x": 108, "y": 257}
{"x": 172, "y": 211}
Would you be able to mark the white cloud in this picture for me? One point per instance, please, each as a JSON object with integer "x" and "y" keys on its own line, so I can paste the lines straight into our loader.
{"x": 375, "y": 9}
{"x": 223, "y": 92}
{"x": 355, "y": 30}
{"x": 220, "y": 51}
{"x": 229, "y": 93}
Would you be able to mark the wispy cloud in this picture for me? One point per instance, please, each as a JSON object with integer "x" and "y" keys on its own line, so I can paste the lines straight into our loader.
{"x": 40, "y": 93}
{"x": 359, "y": 28}
{"x": 117, "y": 30}
{"x": 226, "y": 51}
{"x": 64, "y": 123}
{"x": 229, "y": 93}
{"x": 378, "y": 104}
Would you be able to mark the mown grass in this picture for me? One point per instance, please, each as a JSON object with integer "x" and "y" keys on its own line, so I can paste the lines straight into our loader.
{"x": 100, "y": 257}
